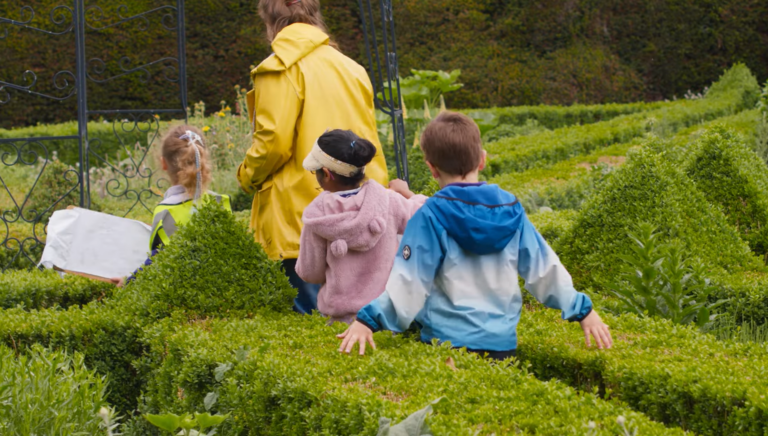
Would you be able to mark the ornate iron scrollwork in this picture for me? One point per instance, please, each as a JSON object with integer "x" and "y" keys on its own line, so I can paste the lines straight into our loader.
{"x": 130, "y": 178}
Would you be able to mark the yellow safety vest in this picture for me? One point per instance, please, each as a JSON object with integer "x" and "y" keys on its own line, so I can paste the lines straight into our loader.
{"x": 168, "y": 218}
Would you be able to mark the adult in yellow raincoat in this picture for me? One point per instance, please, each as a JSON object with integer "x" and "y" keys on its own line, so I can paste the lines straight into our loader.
{"x": 303, "y": 89}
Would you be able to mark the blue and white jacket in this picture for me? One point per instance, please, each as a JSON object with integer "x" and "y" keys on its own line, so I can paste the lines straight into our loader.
{"x": 456, "y": 272}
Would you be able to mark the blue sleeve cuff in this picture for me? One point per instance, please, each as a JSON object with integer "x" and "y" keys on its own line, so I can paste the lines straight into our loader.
{"x": 586, "y": 308}
{"x": 367, "y": 317}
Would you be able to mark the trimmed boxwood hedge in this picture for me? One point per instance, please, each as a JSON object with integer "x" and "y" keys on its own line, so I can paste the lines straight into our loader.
{"x": 283, "y": 375}
{"x": 43, "y": 289}
{"x": 733, "y": 176}
{"x": 649, "y": 188}
{"x": 674, "y": 374}
{"x": 736, "y": 90}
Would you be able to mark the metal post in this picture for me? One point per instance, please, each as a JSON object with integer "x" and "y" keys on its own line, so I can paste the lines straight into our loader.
{"x": 82, "y": 99}
{"x": 182, "y": 38}
{"x": 390, "y": 102}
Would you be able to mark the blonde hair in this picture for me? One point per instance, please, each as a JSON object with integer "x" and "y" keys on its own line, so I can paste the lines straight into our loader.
{"x": 279, "y": 14}
{"x": 179, "y": 155}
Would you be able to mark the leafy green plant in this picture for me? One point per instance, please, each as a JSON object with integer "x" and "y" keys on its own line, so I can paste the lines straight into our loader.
{"x": 190, "y": 425}
{"x": 663, "y": 282}
{"x": 425, "y": 85}
{"x": 48, "y": 393}
{"x": 38, "y": 289}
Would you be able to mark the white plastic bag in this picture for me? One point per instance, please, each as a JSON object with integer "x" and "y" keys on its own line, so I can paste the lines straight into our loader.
{"x": 95, "y": 243}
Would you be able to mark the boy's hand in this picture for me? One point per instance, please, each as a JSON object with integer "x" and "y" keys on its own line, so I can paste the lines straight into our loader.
{"x": 118, "y": 281}
{"x": 401, "y": 187}
{"x": 594, "y": 326}
{"x": 356, "y": 333}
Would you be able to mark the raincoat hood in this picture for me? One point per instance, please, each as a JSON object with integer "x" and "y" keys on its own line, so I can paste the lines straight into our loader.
{"x": 352, "y": 223}
{"x": 481, "y": 218}
{"x": 292, "y": 44}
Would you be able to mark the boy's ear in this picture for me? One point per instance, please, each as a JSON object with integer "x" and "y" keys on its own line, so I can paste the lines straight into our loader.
{"x": 433, "y": 169}
{"x": 483, "y": 159}
{"x": 163, "y": 163}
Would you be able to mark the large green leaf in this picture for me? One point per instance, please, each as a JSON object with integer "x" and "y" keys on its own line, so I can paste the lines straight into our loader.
{"x": 168, "y": 422}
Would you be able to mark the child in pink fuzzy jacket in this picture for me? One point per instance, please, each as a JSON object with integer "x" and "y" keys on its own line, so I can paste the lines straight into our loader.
{"x": 349, "y": 240}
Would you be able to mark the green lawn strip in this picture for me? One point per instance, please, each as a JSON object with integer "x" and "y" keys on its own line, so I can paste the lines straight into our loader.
{"x": 735, "y": 91}
{"x": 283, "y": 375}
{"x": 674, "y": 374}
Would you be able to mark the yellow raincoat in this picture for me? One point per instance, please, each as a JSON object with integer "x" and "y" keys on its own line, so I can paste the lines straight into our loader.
{"x": 305, "y": 88}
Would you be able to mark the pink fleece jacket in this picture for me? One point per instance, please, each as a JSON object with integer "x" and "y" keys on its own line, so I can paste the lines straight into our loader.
{"x": 349, "y": 244}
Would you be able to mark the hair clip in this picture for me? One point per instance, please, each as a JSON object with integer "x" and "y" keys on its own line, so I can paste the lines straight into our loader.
{"x": 294, "y": 2}
{"x": 353, "y": 144}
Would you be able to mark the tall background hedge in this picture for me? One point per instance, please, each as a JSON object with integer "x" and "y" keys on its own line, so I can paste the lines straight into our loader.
{"x": 511, "y": 52}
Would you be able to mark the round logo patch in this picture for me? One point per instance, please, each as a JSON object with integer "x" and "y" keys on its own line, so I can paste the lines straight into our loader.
{"x": 406, "y": 252}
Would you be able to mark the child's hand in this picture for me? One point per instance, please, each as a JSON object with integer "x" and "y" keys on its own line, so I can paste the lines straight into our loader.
{"x": 401, "y": 187}
{"x": 356, "y": 333}
{"x": 594, "y": 326}
{"x": 118, "y": 281}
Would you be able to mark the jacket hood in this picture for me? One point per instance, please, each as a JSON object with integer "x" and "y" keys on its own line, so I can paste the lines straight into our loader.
{"x": 292, "y": 44}
{"x": 352, "y": 223}
{"x": 481, "y": 218}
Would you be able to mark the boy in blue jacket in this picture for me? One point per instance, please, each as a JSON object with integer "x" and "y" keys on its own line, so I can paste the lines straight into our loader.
{"x": 456, "y": 272}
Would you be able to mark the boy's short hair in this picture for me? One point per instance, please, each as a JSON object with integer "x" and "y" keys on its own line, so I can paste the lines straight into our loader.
{"x": 451, "y": 142}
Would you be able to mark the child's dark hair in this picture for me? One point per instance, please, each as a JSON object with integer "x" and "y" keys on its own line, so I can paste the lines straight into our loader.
{"x": 347, "y": 147}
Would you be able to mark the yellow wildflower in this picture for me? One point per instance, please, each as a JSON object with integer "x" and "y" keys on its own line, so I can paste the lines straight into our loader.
{"x": 227, "y": 108}
{"x": 157, "y": 116}
{"x": 230, "y": 146}
{"x": 222, "y": 114}
{"x": 206, "y": 129}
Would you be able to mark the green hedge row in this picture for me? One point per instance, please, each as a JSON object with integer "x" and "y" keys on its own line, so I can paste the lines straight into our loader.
{"x": 43, "y": 289}
{"x": 48, "y": 393}
{"x": 673, "y": 374}
{"x": 284, "y": 376}
{"x": 736, "y": 90}
{"x": 555, "y": 117}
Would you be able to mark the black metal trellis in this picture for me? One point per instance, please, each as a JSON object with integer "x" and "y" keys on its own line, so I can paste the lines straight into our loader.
{"x": 130, "y": 178}
{"x": 382, "y": 63}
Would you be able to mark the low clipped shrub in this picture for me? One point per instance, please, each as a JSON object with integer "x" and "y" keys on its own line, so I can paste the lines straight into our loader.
{"x": 530, "y": 127}
{"x": 108, "y": 341}
{"x": 40, "y": 289}
{"x": 213, "y": 268}
{"x": 48, "y": 393}
{"x": 731, "y": 175}
{"x": 731, "y": 95}
{"x": 553, "y": 225}
{"x": 671, "y": 373}
{"x": 647, "y": 188}
{"x": 283, "y": 375}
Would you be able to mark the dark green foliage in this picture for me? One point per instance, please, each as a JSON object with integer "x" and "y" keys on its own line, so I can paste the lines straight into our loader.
{"x": 421, "y": 181}
{"x": 57, "y": 189}
{"x": 212, "y": 268}
{"x": 510, "y": 53}
{"x": 530, "y": 127}
{"x": 38, "y": 289}
{"x": 649, "y": 189}
{"x": 283, "y": 376}
{"x": 731, "y": 175}
{"x": 241, "y": 201}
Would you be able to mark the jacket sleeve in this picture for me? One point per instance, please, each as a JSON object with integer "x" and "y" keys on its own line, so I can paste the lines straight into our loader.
{"x": 311, "y": 264}
{"x": 420, "y": 256}
{"x": 403, "y": 209}
{"x": 546, "y": 278}
{"x": 274, "y": 123}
